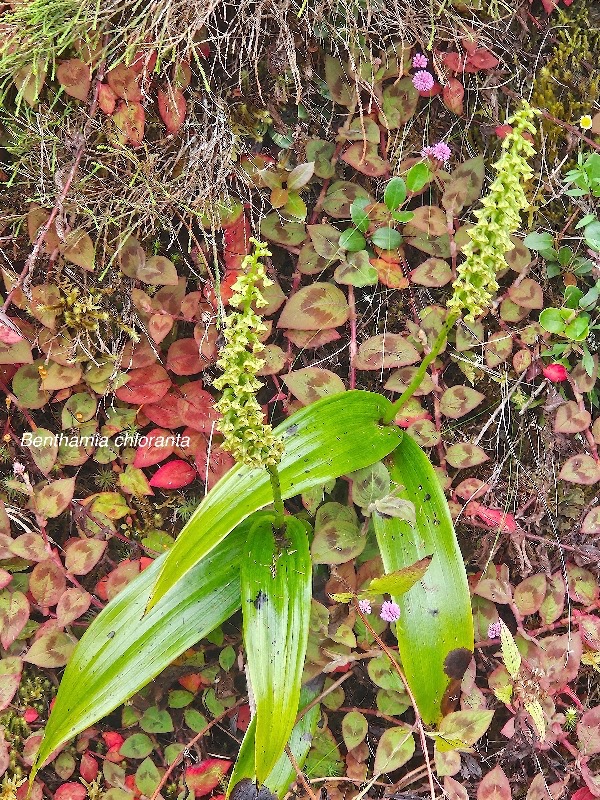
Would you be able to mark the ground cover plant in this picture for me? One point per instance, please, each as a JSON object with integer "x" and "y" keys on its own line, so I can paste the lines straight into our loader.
{"x": 343, "y": 256}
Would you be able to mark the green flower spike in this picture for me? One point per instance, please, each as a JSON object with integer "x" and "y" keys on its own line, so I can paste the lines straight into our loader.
{"x": 246, "y": 436}
{"x": 499, "y": 218}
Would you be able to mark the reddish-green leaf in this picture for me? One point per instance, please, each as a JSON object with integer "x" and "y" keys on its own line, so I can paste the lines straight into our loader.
{"x": 571, "y": 419}
{"x": 47, "y": 583}
{"x": 494, "y": 786}
{"x": 399, "y": 103}
{"x": 172, "y": 108}
{"x": 459, "y": 400}
{"x": 51, "y": 499}
{"x": 50, "y": 650}
{"x": 580, "y": 469}
{"x": 433, "y": 272}
{"x": 10, "y": 677}
{"x": 384, "y": 351}
{"x": 313, "y": 383}
{"x": 321, "y": 305}
{"x": 464, "y": 185}
{"x": 82, "y": 555}
{"x": 75, "y": 78}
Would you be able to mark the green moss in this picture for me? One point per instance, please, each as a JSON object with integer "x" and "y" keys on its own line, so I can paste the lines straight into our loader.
{"x": 568, "y": 84}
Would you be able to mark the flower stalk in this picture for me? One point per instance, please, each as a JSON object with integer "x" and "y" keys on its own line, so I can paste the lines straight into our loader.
{"x": 249, "y": 439}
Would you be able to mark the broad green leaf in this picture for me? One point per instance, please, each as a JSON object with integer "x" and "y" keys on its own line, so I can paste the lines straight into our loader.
{"x": 417, "y": 177}
{"x": 359, "y": 216}
{"x": 538, "y": 241}
{"x": 386, "y": 238}
{"x": 352, "y": 240}
{"x": 283, "y": 774}
{"x": 435, "y": 629}
{"x": 123, "y": 649}
{"x": 395, "y": 193}
{"x": 276, "y": 576}
{"x": 320, "y": 445}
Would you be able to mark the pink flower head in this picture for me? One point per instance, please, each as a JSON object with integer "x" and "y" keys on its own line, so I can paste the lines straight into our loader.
{"x": 365, "y": 606}
{"x": 420, "y": 61}
{"x": 555, "y": 373}
{"x": 427, "y": 152}
{"x": 390, "y": 611}
{"x": 441, "y": 151}
{"x": 494, "y": 630}
{"x": 423, "y": 80}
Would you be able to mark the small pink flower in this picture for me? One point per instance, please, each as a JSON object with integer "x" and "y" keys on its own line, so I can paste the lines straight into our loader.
{"x": 390, "y": 611}
{"x": 441, "y": 151}
{"x": 423, "y": 80}
{"x": 555, "y": 373}
{"x": 365, "y": 606}
{"x": 420, "y": 61}
{"x": 494, "y": 630}
{"x": 427, "y": 152}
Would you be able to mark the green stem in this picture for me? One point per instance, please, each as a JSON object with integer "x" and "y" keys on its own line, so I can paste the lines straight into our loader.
{"x": 277, "y": 498}
{"x": 420, "y": 373}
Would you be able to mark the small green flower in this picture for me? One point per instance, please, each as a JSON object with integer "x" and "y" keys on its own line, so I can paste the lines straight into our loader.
{"x": 246, "y": 436}
{"x": 497, "y": 220}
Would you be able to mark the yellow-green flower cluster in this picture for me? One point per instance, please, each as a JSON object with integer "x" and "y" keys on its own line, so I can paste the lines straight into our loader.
{"x": 499, "y": 218}
{"x": 246, "y": 436}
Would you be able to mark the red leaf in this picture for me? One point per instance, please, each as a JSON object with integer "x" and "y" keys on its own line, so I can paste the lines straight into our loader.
{"x": 112, "y": 739}
{"x": 453, "y": 61}
{"x": 196, "y": 407}
{"x": 503, "y": 130}
{"x": 164, "y": 412}
{"x": 454, "y": 93}
{"x": 219, "y": 463}
{"x": 88, "y": 769}
{"x": 482, "y": 58}
{"x": 107, "y": 99}
{"x": 555, "y": 373}
{"x": 30, "y": 715}
{"x": 173, "y": 475}
{"x": 496, "y": 518}
{"x": 184, "y": 358}
{"x": 124, "y": 83}
{"x": 154, "y": 450}
{"x": 582, "y": 794}
{"x": 144, "y": 62}
{"x": 9, "y": 335}
{"x": 236, "y": 239}
{"x": 70, "y": 791}
{"x": 172, "y": 108}
{"x": 202, "y": 778}
{"x": 145, "y": 385}
{"x": 192, "y": 682}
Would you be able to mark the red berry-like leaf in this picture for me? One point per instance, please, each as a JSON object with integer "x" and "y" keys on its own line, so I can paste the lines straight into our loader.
{"x": 173, "y": 475}
{"x": 202, "y": 778}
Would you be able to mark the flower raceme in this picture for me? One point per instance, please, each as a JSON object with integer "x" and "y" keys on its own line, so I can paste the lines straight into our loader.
{"x": 246, "y": 436}
{"x": 499, "y": 218}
